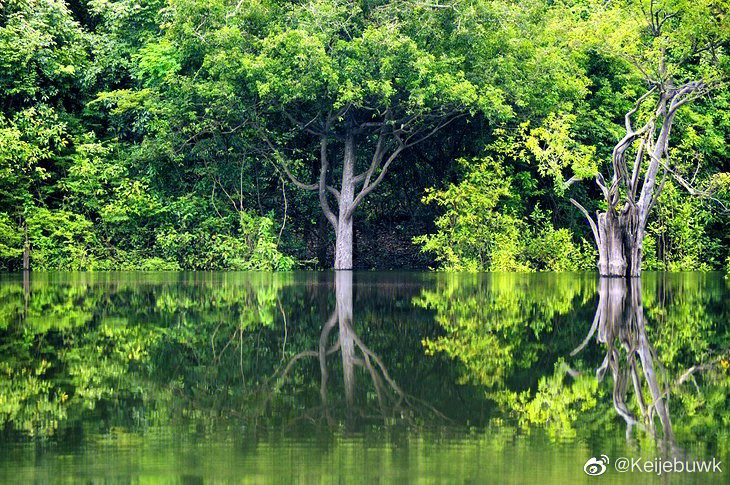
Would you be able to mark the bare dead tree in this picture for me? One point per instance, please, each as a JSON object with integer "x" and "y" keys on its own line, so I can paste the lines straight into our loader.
{"x": 619, "y": 230}
{"x": 643, "y": 153}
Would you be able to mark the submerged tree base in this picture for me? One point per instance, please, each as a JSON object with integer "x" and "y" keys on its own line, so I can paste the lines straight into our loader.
{"x": 619, "y": 244}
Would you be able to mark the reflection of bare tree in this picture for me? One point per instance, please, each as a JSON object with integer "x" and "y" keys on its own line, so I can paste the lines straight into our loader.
{"x": 392, "y": 400}
{"x": 26, "y": 292}
{"x": 620, "y": 324}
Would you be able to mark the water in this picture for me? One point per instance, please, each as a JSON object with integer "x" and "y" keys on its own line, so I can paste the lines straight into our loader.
{"x": 366, "y": 377}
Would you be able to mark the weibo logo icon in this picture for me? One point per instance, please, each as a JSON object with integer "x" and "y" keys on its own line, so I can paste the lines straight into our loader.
{"x": 596, "y": 466}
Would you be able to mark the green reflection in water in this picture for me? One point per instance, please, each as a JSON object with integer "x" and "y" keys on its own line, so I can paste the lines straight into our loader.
{"x": 316, "y": 376}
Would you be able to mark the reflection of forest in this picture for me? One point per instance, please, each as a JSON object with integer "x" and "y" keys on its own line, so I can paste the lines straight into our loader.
{"x": 166, "y": 346}
{"x": 300, "y": 347}
{"x": 668, "y": 343}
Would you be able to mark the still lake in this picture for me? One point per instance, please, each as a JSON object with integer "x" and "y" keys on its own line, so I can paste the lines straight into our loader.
{"x": 362, "y": 377}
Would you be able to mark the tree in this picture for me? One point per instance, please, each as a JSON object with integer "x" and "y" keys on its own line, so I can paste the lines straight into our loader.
{"x": 365, "y": 87}
{"x": 486, "y": 227}
{"x": 42, "y": 53}
{"x": 675, "y": 53}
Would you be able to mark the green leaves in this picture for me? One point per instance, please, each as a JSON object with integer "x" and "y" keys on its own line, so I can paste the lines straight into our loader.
{"x": 147, "y": 119}
{"x": 371, "y": 65}
{"x": 659, "y": 39}
{"x": 555, "y": 149}
{"x": 42, "y": 52}
{"x": 483, "y": 228}
{"x": 157, "y": 63}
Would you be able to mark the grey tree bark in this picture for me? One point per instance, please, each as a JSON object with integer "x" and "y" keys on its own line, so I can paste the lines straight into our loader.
{"x": 343, "y": 232}
{"x": 619, "y": 230}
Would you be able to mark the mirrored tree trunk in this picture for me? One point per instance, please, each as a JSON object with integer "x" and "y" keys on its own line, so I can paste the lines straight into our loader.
{"x": 392, "y": 402}
{"x": 620, "y": 326}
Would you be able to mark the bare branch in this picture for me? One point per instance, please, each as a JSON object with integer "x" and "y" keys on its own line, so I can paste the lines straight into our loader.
{"x": 283, "y": 224}
{"x": 432, "y": 132}
{"x": 658, "y": 192}
{"x": 377, "y": 158}
{"x": 636, "y": 168}
{"x": 688, "y": 92}
{"x": 699, "y": 368}
{"x": 689, "y": 188}
{"x": 618, "y": 158}
{"x": 601, "y": 182}
{"x": 288, "y": 173}
{"x": 402, "y": 145}
{"x": 594, "y": 228}
{"x": 323, "y": 183}
{"x": 637, "y": 105}
{"x": 296, "y": 181}
{"x": 366, "y": 190}
{"x": 594, "y": 325}
{"x": 302, "y": 125}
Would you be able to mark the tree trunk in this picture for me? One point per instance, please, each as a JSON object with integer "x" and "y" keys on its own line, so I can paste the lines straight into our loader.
{"x": 620, "y": 244}
{"x": 611, "y": 248}
{"x": 343, "y": 244}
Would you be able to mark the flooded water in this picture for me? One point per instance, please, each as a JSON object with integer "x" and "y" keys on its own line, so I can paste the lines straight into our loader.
{"x": 364, "y": 377}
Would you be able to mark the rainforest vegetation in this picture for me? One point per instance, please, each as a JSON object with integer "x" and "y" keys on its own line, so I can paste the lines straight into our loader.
{"x": 452, "y": 134}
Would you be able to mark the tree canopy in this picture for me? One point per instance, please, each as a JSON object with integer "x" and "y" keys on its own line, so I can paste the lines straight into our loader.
{"x": 173, "y": 134}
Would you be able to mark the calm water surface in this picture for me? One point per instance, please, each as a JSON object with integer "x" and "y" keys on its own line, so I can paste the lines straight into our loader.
{"x": 366, "y": 377}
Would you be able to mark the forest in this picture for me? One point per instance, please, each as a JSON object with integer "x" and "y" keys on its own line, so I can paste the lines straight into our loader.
{"x": 463, "y": 135}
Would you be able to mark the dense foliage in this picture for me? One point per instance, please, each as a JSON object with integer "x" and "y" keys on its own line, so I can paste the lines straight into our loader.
{"x": 165, "y": 134}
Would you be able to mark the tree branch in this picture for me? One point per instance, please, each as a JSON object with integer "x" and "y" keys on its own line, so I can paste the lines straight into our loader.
{"x": 637, "y": 105}
{"x": 432, "y": 132}
{"x": 288, "y": 173}
{"x": 377, "y": 158}
{"x": 369, "y": 188}
{"x": 601, "y": 182}
{"x": 688, "y": 92}
{"x": 688, "y": 187}
{"x": 323, "y": 183}
{"x": 402, "y": 145}
{"x": 594, "y": 228}
{"x": 571, "y": 181}
{"x": 302, "y": 125}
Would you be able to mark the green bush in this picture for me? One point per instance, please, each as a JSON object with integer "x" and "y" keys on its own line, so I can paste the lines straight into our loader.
{"x": 479, "y": 230}
{"x": 61, "y": 240}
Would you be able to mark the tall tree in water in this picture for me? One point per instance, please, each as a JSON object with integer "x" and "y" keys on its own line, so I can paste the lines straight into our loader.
{"x": 331, "y": 93}
{"x": 675, "y": 51}
{"x": 365, "y": 85}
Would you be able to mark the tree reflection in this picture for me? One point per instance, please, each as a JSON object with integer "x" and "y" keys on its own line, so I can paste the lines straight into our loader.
{"x": 76, "y": 347}
{"x": 502, "y": 326}
{"x": 621, "y": 328}
{"x": 392, "y": 402}
{"x": 512, "y": 335}
{"x": 159, "y": 348}
{"x": 106, "y": 349}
